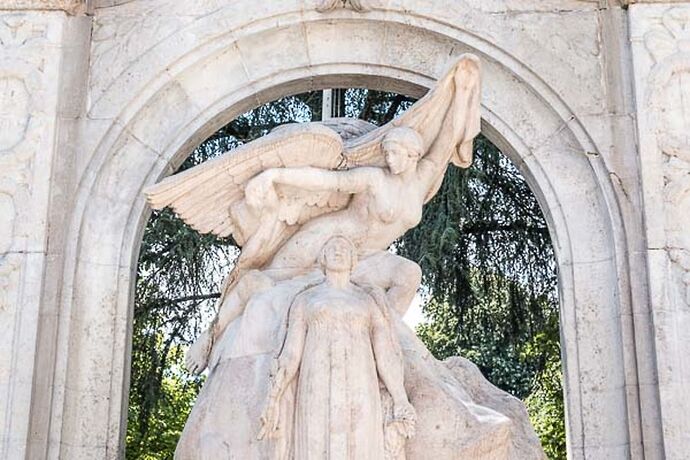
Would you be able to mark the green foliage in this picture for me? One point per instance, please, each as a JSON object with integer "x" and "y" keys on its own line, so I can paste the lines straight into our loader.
{"x": 489, "y": 277}
{"x": 488, "y": 264}
{"x": 545, "y": 403}
{"x": 166, "y": 421}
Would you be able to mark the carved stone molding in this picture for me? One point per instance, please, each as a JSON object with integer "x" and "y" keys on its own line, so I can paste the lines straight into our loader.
{"x": 357, "y": 5}
{"x": 70, "y": 6}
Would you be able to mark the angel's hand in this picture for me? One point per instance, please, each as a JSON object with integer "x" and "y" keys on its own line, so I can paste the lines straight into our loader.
{"x": 467, "y": 64}
{"x": 394, "y": 441}
{"x": 196, "y": 358}
{"x": 405, "y": 418}
{"x": 260, "y": 191}
{"x": 270, "y": 426}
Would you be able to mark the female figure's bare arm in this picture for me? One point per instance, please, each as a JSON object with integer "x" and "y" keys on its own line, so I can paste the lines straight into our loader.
{"x": 388, "y": 359}
{"x": 287, "y": 366}
{"x": 196, "y": 358}
{"x": 354, "y": 180}
{"x": 251, "y": 283}
{"x": 389, "y": 364}
{"x": 231, "y": 308}
{"x": 291, "y": 355}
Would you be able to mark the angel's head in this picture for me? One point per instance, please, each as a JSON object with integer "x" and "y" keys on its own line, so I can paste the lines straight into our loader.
{"x": 402, "y": 147}
{"x": 338, "y": 255}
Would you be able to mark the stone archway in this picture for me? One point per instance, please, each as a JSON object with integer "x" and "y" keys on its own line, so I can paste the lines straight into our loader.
{"x": 146, "y": 120}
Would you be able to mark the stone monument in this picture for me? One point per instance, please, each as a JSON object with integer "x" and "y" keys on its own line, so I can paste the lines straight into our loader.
{"x": 308, "y": 357}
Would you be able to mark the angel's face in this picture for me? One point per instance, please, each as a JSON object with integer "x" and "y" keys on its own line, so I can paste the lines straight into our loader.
{"x": 337, "y": 255}
{"x": 399, "y": 158}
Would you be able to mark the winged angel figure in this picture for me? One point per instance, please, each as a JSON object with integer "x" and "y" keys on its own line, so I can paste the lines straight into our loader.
{"x": 282, "y": 196}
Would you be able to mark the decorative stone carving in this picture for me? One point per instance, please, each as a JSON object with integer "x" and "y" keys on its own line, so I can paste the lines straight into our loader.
{"x": 357, "y": 5}
{"x": 7, "y": 211}
{"x": 335, "y": 335}
{"x": 338, "y": 332}
{"x": 14, "y": 111}
{"x": 669, "y": 83}
{"x": 20, "y": 77}
{"x": 16, "y": 32}
{"x": 9, "y": 266}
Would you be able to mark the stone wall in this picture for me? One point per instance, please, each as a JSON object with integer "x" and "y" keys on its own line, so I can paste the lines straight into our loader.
{"x": 99, "y": 100}
{"x": 41, "y": 55}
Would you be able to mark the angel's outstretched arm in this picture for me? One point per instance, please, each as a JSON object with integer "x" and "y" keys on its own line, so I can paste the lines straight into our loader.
{"x": 355, "y": 180}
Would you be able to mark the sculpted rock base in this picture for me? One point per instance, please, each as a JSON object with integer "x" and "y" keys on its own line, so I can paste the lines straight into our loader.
{"x": 460, "y": 415}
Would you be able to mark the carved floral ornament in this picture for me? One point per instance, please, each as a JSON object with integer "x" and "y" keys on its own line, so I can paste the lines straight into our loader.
{"x": 669, "y": 47}
{"x": 20, "y": 76}
{"x": 21, "y": 83}
{"x": 16, "y": 32}
{"x": 360, "y": 6}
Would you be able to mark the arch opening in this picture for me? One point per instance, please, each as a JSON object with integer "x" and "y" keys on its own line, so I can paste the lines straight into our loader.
{"x": 149, "y": 141}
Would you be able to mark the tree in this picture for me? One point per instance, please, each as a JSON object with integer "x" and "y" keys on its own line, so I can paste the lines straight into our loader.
{"x": 489, "y": 281}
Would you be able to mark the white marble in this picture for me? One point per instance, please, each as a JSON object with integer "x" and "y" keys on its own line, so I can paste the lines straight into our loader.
{"x": 587, "y": 100}
{"x": 301, "y": 197}
{"x": 661, "y": 52}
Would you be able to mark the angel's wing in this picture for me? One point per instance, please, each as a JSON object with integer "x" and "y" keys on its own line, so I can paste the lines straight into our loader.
{"x": 450, "y": 111}
{"x": 349, "y": 128}
{"x": 210, "y": 197}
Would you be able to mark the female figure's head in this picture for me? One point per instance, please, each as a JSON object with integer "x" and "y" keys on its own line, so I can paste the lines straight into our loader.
{"x": 402, "y": 147}
{"x": 338, "y": 255}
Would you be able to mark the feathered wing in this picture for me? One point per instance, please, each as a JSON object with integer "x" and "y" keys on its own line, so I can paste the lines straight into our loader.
{"x": 453, "y": 103}
{"x": 210, "y": 197}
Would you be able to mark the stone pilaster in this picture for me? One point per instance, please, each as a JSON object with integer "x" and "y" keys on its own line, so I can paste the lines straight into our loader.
{"x": 660, "y": 37}
{"x": 35, "y": 101}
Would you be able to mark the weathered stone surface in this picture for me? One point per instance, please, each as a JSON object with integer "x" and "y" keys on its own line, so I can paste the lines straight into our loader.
{"x": 569, "y": 94}
{"x": 300, "y": 197}
{"x": 661, "y": 51}
{"x": 71, "y": 6}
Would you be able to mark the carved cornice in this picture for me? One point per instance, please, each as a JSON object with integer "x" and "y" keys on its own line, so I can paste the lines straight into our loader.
{"x": 70, "y": 6}
{"x": 330, "y": 5}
